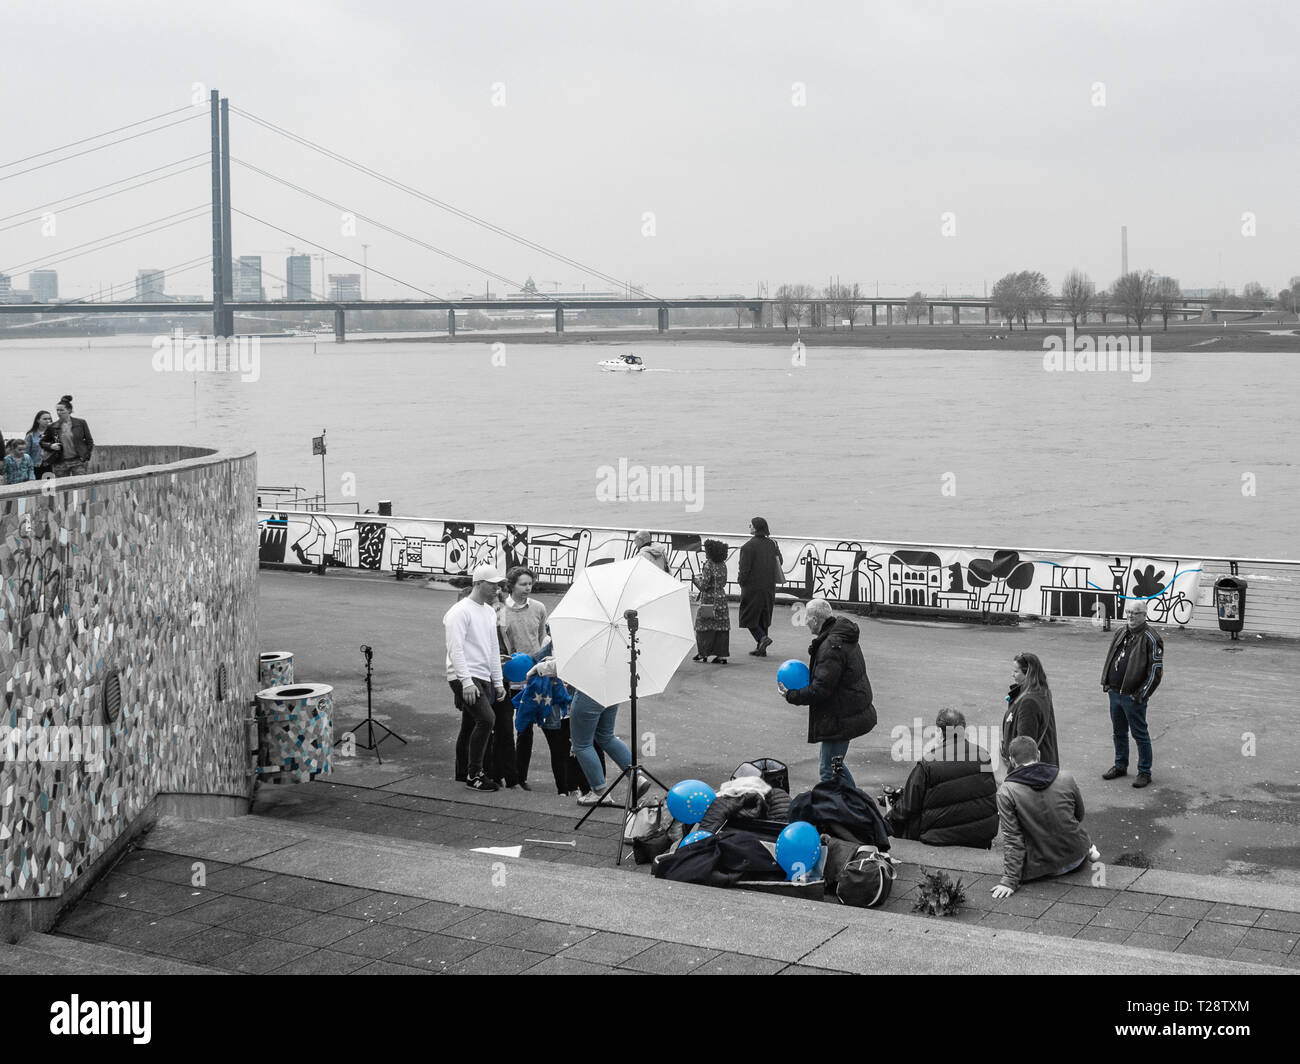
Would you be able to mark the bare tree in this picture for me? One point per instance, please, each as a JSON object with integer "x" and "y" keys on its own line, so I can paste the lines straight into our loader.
{"x": 1167, "y": 295}
{"x": 1255, "y": 294}
{"x": 801, "y": 296}
{"x": 1078, "y": 293}
{"x": 917, "y": 305}
{"x": 1005, "y": 300}
{"x": 1033, "y": 294}
{"x": 851, "y": 294}
{"x": 784, "y": 305}
{"x": 1135, "y": 295}
{"x": 834, "y": 303}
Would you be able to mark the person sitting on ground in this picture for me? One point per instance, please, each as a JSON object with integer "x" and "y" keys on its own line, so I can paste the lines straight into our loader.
{"x": 18, "y": 465}
{"x": 838, "y": 695}
{"x": 950, "y": 798}
{"x": 649, "y": 550}
{"x": 1029, "y": 709}
{"x": 1040, "y": 809}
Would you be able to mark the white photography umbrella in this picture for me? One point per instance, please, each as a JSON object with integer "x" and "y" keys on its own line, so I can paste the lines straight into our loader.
{"x": 590, "y": 633}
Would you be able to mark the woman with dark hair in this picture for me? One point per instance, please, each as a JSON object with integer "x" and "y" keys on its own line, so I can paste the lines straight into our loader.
{"x": 713, "y": 619}
{"x": 761, "y": 569}
{"x": 40, "y": 460}
{"x": 1029, "y": 709}
{"x": 68, "y": 442}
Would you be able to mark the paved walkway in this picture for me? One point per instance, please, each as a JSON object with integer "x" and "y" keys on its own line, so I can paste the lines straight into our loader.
{"x": 336, "y": 879}
{"x": 1226, "y": 797}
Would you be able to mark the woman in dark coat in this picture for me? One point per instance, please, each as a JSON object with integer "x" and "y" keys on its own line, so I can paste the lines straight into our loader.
{"x": 1029, "y": 709}
{"x": 713, "y": 619}
{"x": 760, "y": 560}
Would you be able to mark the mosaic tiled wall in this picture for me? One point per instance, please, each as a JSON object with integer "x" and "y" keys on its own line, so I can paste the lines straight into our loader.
{"x": 147, "y": 577}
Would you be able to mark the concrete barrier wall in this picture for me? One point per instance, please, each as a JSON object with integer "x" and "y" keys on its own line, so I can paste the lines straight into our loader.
{"x": 128, "y": 648}
{"x": 1064, "y": 585}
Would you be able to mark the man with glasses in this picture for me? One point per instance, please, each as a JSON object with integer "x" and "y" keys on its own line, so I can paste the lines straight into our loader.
{"x": 1133, "y": 670}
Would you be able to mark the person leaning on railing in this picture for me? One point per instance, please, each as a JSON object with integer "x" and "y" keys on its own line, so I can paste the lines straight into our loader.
{"x": 68, "y": 441}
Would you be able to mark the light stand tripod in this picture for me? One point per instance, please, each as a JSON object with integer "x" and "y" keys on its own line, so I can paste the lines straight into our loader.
{"x": 634, "y": 771}
{"x": 371, "y": 724}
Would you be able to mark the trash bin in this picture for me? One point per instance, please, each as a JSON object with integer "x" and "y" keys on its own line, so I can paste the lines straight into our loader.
{"x": 295, "y": 732}
{"x": 274, "y": 668}
{"x": 1230, "y": 603}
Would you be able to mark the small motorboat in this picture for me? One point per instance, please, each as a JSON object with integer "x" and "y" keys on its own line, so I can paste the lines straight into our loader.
{"x": 623, "y": 364}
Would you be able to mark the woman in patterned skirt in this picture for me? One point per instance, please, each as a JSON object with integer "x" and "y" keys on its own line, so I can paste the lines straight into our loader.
{"x": 713, "y": 619}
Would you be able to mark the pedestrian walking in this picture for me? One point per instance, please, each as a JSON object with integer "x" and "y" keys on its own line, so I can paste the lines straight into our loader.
{"x": 761, "y": 569}
{"x": 69, "y": 441}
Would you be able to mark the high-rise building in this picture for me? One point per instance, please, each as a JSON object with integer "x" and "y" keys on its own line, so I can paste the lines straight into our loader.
{"x": 44, "y": 285}
{"x": 297, "y": 275}
{"x": 149, "y": 286}
{"x": 248, "y": 279}
{"x": 345, "y": 286}
{"x": 6, "y": 284}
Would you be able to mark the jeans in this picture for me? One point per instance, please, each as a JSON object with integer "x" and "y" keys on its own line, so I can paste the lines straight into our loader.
{"x": 1126, "y": 713}
{"x": 501, "y": 763}
{"x": 564, "y": 766}
{"x": 476, "y": 725}
{"x": 836, "y": 749}
{"x": 590, "y": 723}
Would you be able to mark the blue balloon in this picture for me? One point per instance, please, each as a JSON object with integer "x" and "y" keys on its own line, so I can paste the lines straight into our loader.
{"x": 794, "y": 674}
{"x": 798, "y": 849}
{"x": 689, "y": 800}
{"x": 694, "y": 836}
{"x": 517, "y": 667}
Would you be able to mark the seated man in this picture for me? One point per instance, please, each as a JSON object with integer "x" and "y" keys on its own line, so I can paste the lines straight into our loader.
{"x": 1040, "y": 808}
{"x": 950, "y": 797}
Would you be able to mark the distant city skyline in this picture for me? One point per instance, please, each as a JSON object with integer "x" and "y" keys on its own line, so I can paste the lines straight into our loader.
{"x": 684, "y": 149}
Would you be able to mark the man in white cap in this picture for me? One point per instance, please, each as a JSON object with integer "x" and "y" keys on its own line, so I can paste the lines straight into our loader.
{"x": 474, "y": 669}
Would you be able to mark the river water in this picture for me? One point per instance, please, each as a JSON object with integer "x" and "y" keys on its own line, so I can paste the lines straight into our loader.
{"x": 960, "y": 447}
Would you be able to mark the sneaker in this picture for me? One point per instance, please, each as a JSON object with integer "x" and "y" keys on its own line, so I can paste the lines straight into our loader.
{"x": 593, "y": 798}
{"x": 1094, "y": 854}
{"x": 481, "y": 783}
{"x": 763, "y": 645}
{"x": 1114, "y": 773}
{"x": 1143, "y": 778}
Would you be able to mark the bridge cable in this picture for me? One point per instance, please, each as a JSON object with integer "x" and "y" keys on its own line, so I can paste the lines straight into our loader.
{"x": 368, "y": 171}
{"x": 88, "y": 151}
{"x": 338, "y": 254}
{"x": 84, "y": 203}
{"x": 387, "y": 228}
{"x": 41, "y": 264}
{"x": 171, "y": 271}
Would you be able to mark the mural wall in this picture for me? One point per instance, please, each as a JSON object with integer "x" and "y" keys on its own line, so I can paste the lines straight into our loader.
{"x": 128, "y": 654}
{"x": 950, "y": 578}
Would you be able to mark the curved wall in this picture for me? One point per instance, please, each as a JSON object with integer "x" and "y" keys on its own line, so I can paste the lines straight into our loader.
{"x": 147, "y": 572}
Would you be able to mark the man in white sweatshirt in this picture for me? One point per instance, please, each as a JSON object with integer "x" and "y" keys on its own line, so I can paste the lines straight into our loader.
{"x": 474, "y": 671}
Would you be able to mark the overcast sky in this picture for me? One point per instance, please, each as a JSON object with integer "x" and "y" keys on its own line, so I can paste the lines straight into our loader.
{"x": 771, "y": 142}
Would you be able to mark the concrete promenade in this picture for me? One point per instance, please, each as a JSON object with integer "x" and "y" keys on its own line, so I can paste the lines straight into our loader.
{"x": 373, "y": 870}
{"x": 1212, "y": 810}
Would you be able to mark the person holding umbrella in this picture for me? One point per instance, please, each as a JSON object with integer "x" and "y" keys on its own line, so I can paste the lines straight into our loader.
{"x": 838, "y": 695}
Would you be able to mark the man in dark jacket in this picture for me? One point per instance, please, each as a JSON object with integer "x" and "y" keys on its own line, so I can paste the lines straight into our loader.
{"x": 1135, "y": 665}
{"x": 838, "y": 695}
{"x": 950, "y": 797}
{"x": 1041, "y": 809}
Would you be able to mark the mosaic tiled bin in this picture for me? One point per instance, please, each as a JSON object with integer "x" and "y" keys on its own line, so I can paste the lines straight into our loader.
{"x": 274, "y": 668}
{"x": 295, "y": 727}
